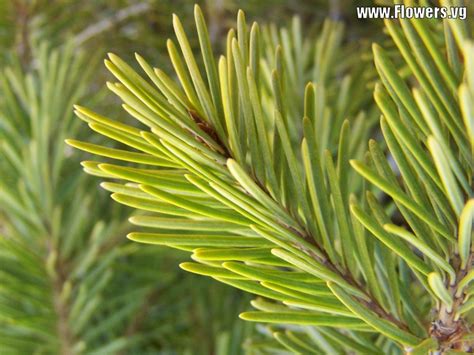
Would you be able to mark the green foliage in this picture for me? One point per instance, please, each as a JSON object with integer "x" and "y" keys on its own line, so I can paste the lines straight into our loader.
{"x": 246, "y": 167}
{"x": 68, "y": 281}
{"x": 254, "y": 162}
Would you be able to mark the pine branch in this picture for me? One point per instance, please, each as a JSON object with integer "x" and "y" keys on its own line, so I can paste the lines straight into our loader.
{"x": 238, "y": 160}
{"x": 107, "y": 23}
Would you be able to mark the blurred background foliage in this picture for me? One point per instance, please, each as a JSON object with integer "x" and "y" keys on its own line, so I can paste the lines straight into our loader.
{"x": 69, "y": 284}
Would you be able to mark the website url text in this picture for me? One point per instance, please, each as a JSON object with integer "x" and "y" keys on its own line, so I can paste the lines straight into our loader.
{"x": 408, "y": 12}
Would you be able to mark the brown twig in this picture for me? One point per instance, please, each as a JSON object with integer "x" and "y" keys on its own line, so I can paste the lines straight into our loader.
{"x": 61, "y": 307}
{"x": 446, "y": 328}
{"x": 22, "y": 35}
{"x": 109, "y": 22}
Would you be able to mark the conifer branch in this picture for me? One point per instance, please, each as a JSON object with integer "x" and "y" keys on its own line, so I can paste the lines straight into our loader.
{"x": 249, "y": 165}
